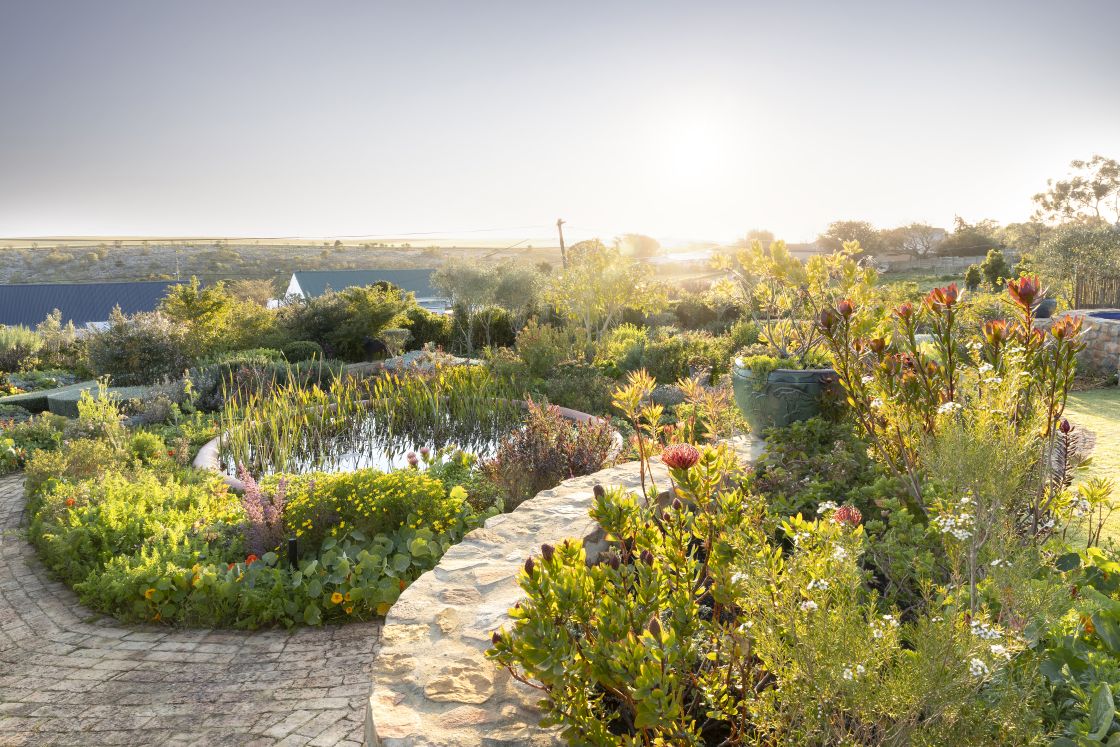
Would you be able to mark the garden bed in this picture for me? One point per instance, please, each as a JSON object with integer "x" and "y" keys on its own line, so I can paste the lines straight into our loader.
{"x": 432, "y": 683}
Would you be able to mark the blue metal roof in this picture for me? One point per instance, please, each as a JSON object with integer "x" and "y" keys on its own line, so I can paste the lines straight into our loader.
{"x": 79, "y": 303}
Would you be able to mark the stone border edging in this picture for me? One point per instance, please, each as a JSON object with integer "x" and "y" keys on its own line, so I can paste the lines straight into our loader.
{"x": 432, "y": 684}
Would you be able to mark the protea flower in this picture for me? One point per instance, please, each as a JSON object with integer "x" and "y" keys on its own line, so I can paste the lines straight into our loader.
{"x": 828, "y": 319}
{"x": 1066, "y": 328}
{"x": 680, "y": 456}
{"x": 413, "y": 460}
{"x": 996, "y": 332}
{"x": 1065, "y": 426}
{"x": 1025, "y": 290}
{"x": 847, "y": 515}
{"x": 846, "y": 308}
{"x": 877, "y": 345}
{"x": 941, "y": 299}
{"x": 904, "y": 311}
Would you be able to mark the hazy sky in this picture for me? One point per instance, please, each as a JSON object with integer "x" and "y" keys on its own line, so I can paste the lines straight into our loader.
{"x": 677, "y": 119}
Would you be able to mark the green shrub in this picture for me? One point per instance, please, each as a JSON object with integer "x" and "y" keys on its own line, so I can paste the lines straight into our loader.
{"x": 578, "y": 386}
{"x": 543, "y": 347}
{"x": 147, "y": 448}
{"x": 642, "y": 645}
{"x": 620, "y": 351}
{"x": 12, "y": 457}
{"x": 18, "y": 348}
{"x": 141, "y": 349}
{"x": 428, "y": 327}
{"x": 302, "y": 350}
{"x": 673, "y": 355}
{"x": 82, "y": 459}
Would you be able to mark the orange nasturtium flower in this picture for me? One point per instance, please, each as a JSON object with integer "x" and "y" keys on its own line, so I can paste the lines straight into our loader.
{"x": 336, "y": 598}
{"x": 148, "y": 594}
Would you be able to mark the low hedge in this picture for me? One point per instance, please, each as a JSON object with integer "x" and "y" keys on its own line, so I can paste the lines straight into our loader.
{"x": 65, "y": 402}
{"x": 37, "y": 402}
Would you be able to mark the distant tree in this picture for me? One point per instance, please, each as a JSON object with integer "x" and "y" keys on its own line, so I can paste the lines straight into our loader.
{"x": 970, "y": 239}
{"x": 760, "y": 235}
{"x": 517, "y": 289}
{"x": 637, "y": 245}
{"x": 870, "y": 238}
{"x": 918, "y": 239}
{"x": 258, "y": 291}
{"x": 1092, "y": 192}
{"x": 598, "y": 284}
{"x": 1024, "y": 237}
{"x": 1077, "y": 250}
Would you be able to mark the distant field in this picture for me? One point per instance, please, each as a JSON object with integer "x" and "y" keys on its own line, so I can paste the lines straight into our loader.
{"x": 93, "y": 260}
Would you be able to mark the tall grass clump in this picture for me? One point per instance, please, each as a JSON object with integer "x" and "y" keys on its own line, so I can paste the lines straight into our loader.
{"x": 296, "y": 427}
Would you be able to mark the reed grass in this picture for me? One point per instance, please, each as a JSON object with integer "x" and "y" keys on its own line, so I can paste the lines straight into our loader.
{"x": 295, "y": 427}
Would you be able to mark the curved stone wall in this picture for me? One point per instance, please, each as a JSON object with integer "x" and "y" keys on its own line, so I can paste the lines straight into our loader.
{"x": 432, "y": 684}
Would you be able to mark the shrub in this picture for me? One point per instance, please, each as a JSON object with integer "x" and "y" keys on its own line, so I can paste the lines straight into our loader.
{"x": 18, "y": 348}
{"x": 428, "y": 327}
{"x": 580, "y": 387}
{"x": 147, "y": 448}
{"x": 672, "y": 356}
{"x": 641, "y": 643}
{"x": 545, "y": 451}
{"x": 141, "y": 349}
{"x": 621, "y": 350}
{"x": 692, "y": 312}
{"x": 37, "y": 432}
{"x": 543, "y": 347}
{"x": 12, "y": 457}
{"x": 302, "y": 350}
{"x": 82, "y": 459}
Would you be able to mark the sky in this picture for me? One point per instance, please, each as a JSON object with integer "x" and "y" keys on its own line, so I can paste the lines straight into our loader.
{"x": 681, "y": 120}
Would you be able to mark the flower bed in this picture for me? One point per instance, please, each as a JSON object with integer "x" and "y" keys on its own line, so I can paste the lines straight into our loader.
{"x": 432, "y": 684}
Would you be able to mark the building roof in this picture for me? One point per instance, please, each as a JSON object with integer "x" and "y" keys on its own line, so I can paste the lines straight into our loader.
{"x": 79, "y": 303}
{"x": 315, "y": 283}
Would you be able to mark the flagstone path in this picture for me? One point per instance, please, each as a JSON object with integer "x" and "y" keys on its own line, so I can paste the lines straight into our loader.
{"x": 71, "y": 676}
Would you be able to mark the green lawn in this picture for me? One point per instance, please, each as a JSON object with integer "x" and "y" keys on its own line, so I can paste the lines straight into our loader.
{"x": 1098, "y": 410}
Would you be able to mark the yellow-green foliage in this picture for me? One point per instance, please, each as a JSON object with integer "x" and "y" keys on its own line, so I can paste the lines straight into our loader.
{"x": 367, "y": 501}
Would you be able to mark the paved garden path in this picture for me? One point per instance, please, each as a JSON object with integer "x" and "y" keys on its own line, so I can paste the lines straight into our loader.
{"x": 70, "y": 676}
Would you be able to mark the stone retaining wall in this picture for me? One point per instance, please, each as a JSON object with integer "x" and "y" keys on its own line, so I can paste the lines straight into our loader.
{"x": 432, "y": 684}
{"x": 1102, "y": 341}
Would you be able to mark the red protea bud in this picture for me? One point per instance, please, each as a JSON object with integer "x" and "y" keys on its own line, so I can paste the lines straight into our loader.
{"x": 413, "y": 460}
{"x": 846, "y": 308}
{"x": 676, "y": 504}
{"x": 1065, "y": 426}
{"x": 547, "y": 551}
{"x": 666, "y": 517}
{"x": 614, "y": 561}
{"x": 904, "y": 311}
{"x": 828, "y": 319}
{"x": 847, "y": 515}
{"x": 680, "y": 456}
{"x": 878, "y": 345}
{"x": 598, "y": 491}
{"x": 529, "y": 565}
{"x": 655, "y": 628}
{"x": 1025, "y": 290}
{"x": 646, "y": 557}
{"x": 496, "y": 638}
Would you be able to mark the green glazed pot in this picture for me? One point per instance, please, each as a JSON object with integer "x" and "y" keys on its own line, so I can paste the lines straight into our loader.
{"x": 788, "y": 396}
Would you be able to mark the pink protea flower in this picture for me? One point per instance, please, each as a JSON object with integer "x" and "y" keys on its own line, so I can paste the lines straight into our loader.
{"x": 680, "y": 456}
{"x": 413, "y": 460}
{"x": 847, "y": 515}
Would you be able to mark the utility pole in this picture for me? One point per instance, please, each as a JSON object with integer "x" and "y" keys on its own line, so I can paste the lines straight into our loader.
{"x": 563, "y": 251}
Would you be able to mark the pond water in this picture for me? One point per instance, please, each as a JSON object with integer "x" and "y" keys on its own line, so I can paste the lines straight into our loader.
{"x": 369, "y": 443}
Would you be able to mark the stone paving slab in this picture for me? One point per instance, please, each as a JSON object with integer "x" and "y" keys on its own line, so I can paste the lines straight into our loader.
{"x": 69, "y": 676}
